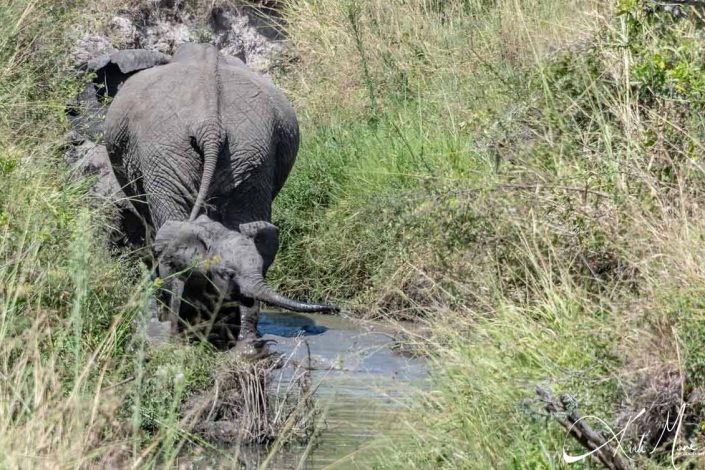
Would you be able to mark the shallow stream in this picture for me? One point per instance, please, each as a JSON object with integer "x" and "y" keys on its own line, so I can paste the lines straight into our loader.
{"x": 362, "y": 385}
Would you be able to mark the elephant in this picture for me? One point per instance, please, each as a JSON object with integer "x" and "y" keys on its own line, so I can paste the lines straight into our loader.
{"x": 202, "y": 146}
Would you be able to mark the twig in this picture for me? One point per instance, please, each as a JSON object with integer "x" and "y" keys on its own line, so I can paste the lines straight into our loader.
{"x": 215, "y": 401}
{"x": 695, "y": 3}
{"x": 122, "y": 382}
{"x": 538, "y": 186}
{"x": 580, "y": 430}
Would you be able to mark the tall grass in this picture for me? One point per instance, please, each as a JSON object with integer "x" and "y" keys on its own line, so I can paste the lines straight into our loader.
{"x": 524, "y": 175}
{"x": 76, "y": 378}
{"x": 398, "y": 101}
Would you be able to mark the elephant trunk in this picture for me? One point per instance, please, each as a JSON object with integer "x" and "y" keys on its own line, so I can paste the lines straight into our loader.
{"x": 258, "y": 289}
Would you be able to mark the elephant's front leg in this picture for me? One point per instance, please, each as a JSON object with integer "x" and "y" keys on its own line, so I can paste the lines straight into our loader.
{"x": 174, "y": 289}
{"x": 158, "y": 327}
{"x": 177, "y": 291}
{"x": 249, "y": 345}
{"x": 249, "y": 314}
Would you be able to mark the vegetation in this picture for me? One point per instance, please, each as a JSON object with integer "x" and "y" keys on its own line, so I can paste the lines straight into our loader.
{"x": 524, "y": 176}
{"x": 71, "y": 312}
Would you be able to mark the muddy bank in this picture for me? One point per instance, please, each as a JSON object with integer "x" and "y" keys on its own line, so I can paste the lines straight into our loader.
{"x": 239, "y": 407}
{"x": 246, "y": 30}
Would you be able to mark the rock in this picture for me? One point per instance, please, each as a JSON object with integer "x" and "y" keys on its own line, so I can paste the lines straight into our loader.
{"x": 677, "y": 11}
{"x": 87, "y": 159}
{"x": 93, "y": 161}
{"x": 241, "y": 35}
{"x": 123, "y": 32}
{"x": 158, "y": 332}
{"x": 165, "y": 36}
{"x": 86, "y": 114}
{"x": 89, "y": 46}
{"x": 74, "y": 138}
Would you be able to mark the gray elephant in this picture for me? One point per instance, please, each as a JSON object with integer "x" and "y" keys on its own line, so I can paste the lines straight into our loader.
{"x": 203, "y": 145}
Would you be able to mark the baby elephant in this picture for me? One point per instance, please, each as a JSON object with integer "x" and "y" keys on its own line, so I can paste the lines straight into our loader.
{"x": 202, "y": 145}
{"x": 235, "y": 261}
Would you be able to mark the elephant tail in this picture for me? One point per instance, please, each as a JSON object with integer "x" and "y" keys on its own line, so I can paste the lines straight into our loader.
{"x": 210, "y": 135}
{"x": 211, "y": 149}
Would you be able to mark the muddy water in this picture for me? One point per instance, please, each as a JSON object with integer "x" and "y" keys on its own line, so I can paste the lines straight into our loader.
{"x": 362, "y": 385}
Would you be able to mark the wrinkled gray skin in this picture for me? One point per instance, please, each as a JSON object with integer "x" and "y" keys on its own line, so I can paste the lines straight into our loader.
{"x": 203, "y": 145}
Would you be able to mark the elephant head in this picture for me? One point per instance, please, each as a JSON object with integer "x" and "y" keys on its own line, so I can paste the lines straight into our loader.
{"x": 235, "y": 260}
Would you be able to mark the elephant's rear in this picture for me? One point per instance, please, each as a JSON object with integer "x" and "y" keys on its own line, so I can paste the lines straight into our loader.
{"x": 167, "y": 123}
{"x": 149, "y": 136}
{"x": 261, "y": 127}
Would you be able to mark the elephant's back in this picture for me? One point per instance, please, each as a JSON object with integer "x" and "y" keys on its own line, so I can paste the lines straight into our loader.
{"x": 148, "y": 133}
{"x": 243, "y": 90}
{"x": 177, "y": 95}
{"x": 171, "y": 95}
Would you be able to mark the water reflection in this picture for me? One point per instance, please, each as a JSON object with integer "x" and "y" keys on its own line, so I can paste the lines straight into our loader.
{"x": 288, "y": 325}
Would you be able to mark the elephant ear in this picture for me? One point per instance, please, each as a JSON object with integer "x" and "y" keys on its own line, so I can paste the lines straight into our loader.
{"x": 265, "y": 237}
{"x": 112, "y": 70}
{"x": 181, "y": 245}
{"x": 134, "y": 60}
{"x": 128, "y": 60}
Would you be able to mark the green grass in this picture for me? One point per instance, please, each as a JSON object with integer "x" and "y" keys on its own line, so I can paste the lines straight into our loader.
{"x": 523, "y": 176}
{"x": 71, "y": 346}
{"x": 518, "y": 174}
{"x": 377, "y": 159}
